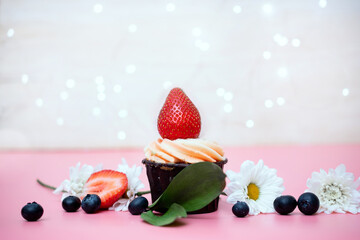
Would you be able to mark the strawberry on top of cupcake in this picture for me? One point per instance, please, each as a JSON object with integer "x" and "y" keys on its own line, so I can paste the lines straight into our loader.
{"x": 179, "y": 118}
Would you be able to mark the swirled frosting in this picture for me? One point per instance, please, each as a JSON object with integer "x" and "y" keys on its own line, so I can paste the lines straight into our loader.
{"x": 191, "y": 150}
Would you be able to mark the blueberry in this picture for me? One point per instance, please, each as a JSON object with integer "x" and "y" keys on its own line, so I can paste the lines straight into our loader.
{"x": 71, "y": 204}
{"x": 285, "y": 204}
{"x": 91, "y": 203}
{"x": 138, "y": 205}
{"x": 32, "y": 211}
{"x": 308, "y": 203}
{"x": 240, "y": 209}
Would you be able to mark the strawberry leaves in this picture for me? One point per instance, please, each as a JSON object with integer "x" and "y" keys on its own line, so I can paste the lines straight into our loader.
{"x": 193, "y": 188}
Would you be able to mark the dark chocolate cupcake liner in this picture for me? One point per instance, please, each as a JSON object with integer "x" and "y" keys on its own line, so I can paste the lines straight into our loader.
{"x": 161, "y": 174}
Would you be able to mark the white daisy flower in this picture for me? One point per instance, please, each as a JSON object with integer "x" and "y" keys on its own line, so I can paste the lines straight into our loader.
{"x": 78, "y": 177}
{"x": 134, "y": 184}
{"x": 257, "y": 185}
{"x": 336, "y": 190}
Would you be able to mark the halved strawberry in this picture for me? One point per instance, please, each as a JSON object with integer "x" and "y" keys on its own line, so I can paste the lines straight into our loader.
{"x": 179, "y": 118}
{"x": 109, "y": 185}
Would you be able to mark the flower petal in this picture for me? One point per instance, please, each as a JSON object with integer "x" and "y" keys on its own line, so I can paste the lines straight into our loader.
{"x": 120, "y": 205}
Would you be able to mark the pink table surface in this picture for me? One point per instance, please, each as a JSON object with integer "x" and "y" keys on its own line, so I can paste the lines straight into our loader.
{"x": 19, "y": 170}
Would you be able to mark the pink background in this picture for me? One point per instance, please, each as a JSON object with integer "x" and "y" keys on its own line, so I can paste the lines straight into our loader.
{"x": 18, "y": 173}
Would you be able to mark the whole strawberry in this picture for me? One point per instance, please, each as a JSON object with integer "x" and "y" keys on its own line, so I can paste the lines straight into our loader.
{"x": 179, "y": 118}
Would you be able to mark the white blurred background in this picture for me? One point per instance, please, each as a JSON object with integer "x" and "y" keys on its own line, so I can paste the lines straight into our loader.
{"x": 95, "y": 73}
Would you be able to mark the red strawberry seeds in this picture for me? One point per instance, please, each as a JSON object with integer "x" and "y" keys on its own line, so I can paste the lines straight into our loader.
{"x": 179, "y": 118}
{"x": 109, "y": 185}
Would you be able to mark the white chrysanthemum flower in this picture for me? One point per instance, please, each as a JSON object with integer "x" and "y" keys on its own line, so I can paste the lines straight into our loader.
{"x": 257, "y": 185}
{"x": 336, "y": 190}
{"x": 134, "y": 184}
{"x": 78, "y": 177}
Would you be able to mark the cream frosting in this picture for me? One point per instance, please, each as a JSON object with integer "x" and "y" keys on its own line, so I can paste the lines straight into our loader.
{"x": 190, "y": 150}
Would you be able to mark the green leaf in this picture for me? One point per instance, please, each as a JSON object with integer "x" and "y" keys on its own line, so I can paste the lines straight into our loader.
{"x": 174, "y": 212}
{"x": 193, "y": 188}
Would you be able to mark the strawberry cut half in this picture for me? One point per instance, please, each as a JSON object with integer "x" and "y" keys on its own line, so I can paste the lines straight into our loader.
{"x": 109, "y": 185}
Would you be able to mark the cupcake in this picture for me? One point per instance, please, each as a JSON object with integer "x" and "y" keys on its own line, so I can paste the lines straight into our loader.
{"x": 179, "y": 125}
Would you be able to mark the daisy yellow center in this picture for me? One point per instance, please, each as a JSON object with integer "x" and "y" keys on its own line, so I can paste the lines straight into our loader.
{"x": 253, "y": 191}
